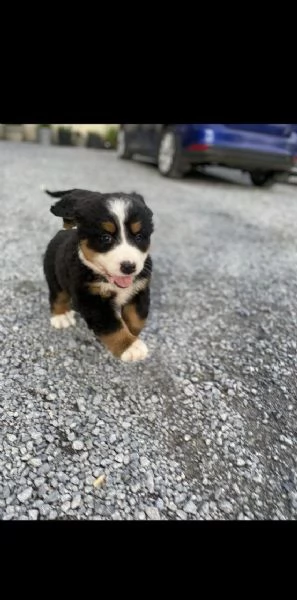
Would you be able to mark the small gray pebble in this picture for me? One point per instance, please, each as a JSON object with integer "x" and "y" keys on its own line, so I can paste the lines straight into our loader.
{"x": 90, "y": 480}
{"x": 190, "y": 508}
{"x": 77, "y": 445}
{"x": 66, "y": 506}
{"x": 226, "y": 507}
{"x": 151, "y": 417}
{"x": 6, "y": 492}
{"x": 33, "y": 514}
{"x": 44, "y": 469}
{"x": 36, "y": 462}
{"x": 39, "y": 481}
{"x": 159, "y": 504}
{"x": 140, "y": 515}
{"x": 52, "y": 497}
{"x": 25, "y": 494}
{"x": 81, "y": 405}
{"x": 181, "y": 514}
{"x": 190, "y": 390}
{"x": 152, "y": 513}
{"x": 119, "y": 458}
{"x": 135, "y": 487}
{"x": 76, "y": 502}
{"x": 150, "y": 482}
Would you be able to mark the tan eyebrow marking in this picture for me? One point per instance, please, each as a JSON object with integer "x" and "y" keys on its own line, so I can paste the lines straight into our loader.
{"x": 108, "y": 226}
{"x": 135, "y": 227}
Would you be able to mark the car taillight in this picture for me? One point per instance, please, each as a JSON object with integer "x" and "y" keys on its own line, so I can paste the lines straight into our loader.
{"x": 197, "y": 147}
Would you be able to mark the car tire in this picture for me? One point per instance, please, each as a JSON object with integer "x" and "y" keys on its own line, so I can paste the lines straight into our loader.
{"x": 169, "y": 155}
{"x": 262, "y": 179}
{"x": 123, "y": 151}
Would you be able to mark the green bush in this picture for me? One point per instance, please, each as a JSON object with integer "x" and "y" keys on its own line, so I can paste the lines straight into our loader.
{"x": 111, "y": 137}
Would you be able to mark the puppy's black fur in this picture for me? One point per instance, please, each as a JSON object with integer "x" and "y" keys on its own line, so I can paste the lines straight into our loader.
{"x": 115, "y": 315}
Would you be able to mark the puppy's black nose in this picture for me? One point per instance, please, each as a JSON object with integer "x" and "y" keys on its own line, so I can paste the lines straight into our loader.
{"x": 128, "y": 267}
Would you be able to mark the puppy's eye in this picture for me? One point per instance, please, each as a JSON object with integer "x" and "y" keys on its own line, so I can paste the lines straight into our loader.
{"x": 139, "y": 237}
{"x": 105, "y": 238}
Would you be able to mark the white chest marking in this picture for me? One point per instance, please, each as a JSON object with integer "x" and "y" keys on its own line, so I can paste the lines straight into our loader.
{"x": 122, "y": 295}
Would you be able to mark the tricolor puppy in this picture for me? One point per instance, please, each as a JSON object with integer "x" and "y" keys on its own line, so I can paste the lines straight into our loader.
{"x": 99, "y": 265}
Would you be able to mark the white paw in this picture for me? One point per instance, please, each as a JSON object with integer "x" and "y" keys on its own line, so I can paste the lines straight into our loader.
{"x": 137, "y": 351}
{"x": 63, "y": 321}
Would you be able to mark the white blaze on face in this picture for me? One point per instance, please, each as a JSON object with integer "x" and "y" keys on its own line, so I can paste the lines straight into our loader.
{"x": 123, "y": 251}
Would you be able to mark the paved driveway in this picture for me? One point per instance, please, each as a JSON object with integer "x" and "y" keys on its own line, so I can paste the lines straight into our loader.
{"x": 206, "y": 427}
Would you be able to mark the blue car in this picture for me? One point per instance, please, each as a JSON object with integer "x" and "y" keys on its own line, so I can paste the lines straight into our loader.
{"x": 294, "y": 169}
{"x": 264, "y": 150}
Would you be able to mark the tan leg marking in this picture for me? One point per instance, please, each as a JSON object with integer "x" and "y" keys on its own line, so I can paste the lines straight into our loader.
{"x": 68, "y": 224}
{"x": 62, "y": 304}
{"x": 118, "y": 341}
{"x": 62, "y": 315}
{"x": 124, "y": 345}
{"x": 132, "y": 319}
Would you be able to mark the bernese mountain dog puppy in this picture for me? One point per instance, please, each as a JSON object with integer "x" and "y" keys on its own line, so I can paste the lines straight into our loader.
{"x": 99, "y": 265}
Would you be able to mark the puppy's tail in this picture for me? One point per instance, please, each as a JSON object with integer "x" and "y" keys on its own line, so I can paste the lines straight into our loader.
{"x": 57, "y": 194}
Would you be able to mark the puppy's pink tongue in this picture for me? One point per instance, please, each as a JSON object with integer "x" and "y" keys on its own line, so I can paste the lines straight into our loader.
{"x": 122, "y": 282}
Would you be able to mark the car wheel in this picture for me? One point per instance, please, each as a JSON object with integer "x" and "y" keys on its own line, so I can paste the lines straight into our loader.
{"x": 122, "y": 145}
{"x": 169, "y": 155}
{"x": 262, "y": 179}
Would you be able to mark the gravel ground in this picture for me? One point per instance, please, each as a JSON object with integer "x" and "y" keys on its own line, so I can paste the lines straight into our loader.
{"x": 205, "y": 428}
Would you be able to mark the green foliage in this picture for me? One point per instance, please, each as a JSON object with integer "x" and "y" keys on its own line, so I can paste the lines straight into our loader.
{"x": 111, "y": 136}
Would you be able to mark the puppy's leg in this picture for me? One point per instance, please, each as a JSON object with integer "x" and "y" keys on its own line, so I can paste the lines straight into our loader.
{"x": 61, "y": 314}
{"x": 123, "y": 344}
{"x": 110, "y": 329}
{"x": 136, "y": 311}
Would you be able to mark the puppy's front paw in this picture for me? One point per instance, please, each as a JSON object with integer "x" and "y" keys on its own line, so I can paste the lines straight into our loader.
{"x": 63, "y": 321}
{"x": 137, "y": 351}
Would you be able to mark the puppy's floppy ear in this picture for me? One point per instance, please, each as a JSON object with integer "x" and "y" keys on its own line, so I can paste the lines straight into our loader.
{"x": 74, "y": 205}
{"x": 59, "y": 194}
{"x": 66, "y": 206}
{"x": 140, "y": 198}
